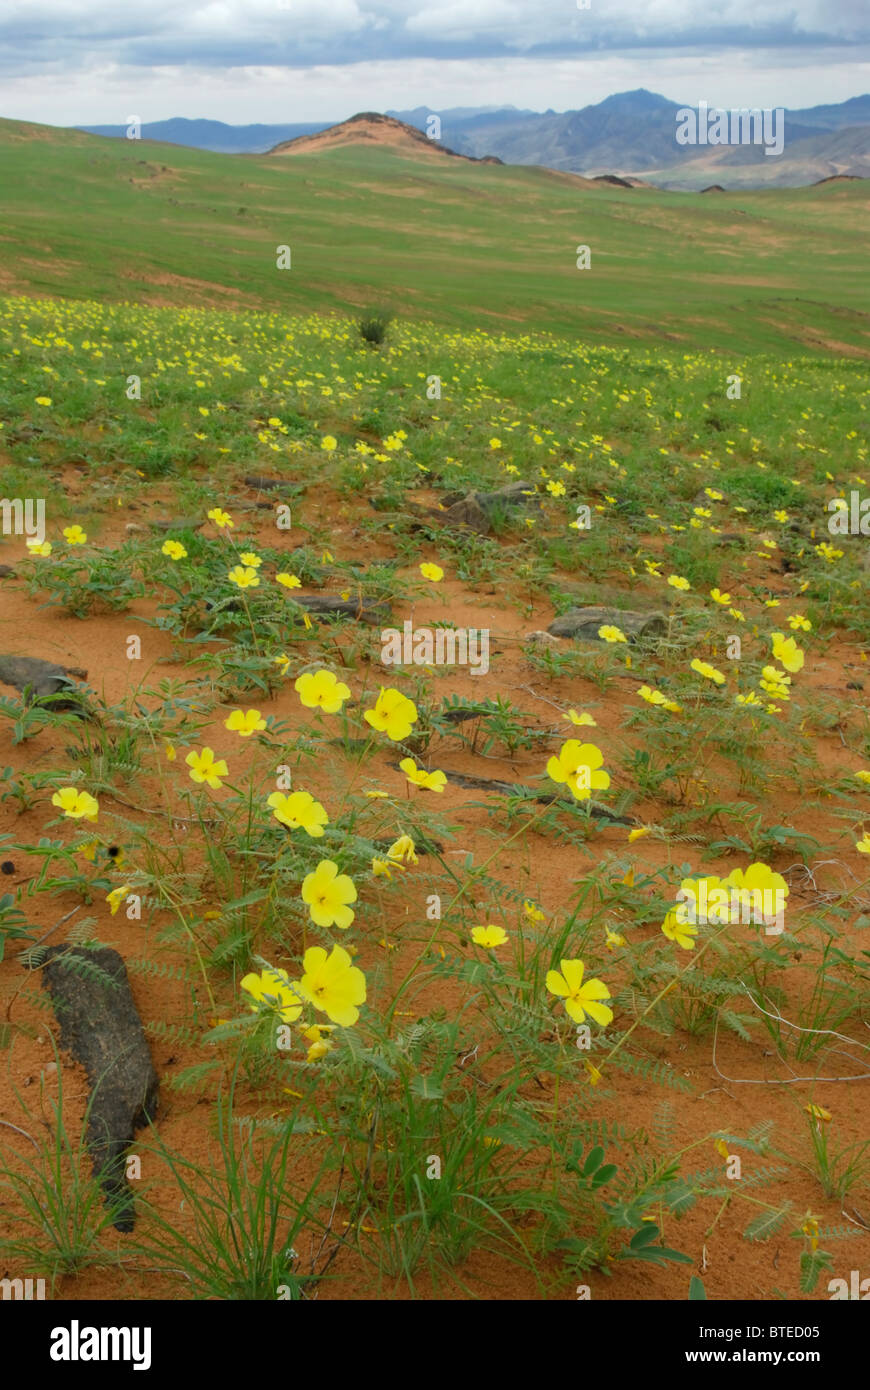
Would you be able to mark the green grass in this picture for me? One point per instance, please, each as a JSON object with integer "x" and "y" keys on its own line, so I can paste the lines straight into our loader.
{"x": 456, "y": 243}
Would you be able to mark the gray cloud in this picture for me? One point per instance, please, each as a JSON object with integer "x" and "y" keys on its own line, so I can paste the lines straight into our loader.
{"x": 66, "y": 35}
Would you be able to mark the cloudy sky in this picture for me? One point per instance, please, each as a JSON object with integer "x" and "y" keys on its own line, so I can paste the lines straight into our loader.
{"x": 80, "y": 62}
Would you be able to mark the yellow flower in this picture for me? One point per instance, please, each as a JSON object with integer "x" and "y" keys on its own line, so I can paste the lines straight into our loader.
{"x": 434, "y": 781}
{"x": 863, "y": 777}
{"x": 375, "y": 795}
{"x": 495, "y": 444}
{"x": 736, "y": 615}
{"x": 43, "y": 400}
{"x": 705, "y": 669}
{"x": 829, "y": 552}
{"x": 170, "y": 752}
{"x": 75, "y": 804}
{"x": 608, "y": 633}
{"x": 750, "y": 699}
{"x": 578, "y": 765}
{"x": 433, "y": 572}
{"x": 89, "y": 850}
{"x": 612, "y": 939}
{"x": 533, "y": 913}
{"x": 402, "y": 851}
{"x": 862, "y": 845}
{"x": 245, "y": 578}
{"x": 174, "y": 549}
{"x": 786, "y": 652}
{"x": 116, "y": 897}
{"x": 380, "y": 868}
{"x": 204, "y": 768}
{"x": 321, "y": 690}
{"x": 580, "y": 999}
{"x": 299, "y": 810}
{"x": 775, "y": 682}
{"x": 489, "y": 936}
{"x": 317, "y": 1036}
{"x": 327, "y": 893}
{"x": 704, "y": 899}
{"x": 220, "y": 518}
{"x": 251, "y": 560}
{"x": 721, "y": 1148}
{"x": 818, "y": 1112}
{"x": 718, "y": 597}
{"x": 245, "y": 723}
{"x": 677, "y": 581}
{"x": 283, "y": 661}
{"x": 798, "y": 621}
{"x": 74, "y": 535}
{"x": 333, "y": 984}
{"x": 638, "y": 834}
{"x": 290, "y": 581}
{"x": 594, "y": 1073}
{"x": 681, "y": 932}
{"x": 760, "y": 879}
{"x": 273, "y": 988}
{"x": 39, "y": 547}
{"x": 581, "y": 720}
{"x": 655, "y": 697}
{"x": 328, "y": 442}
{"x": 393, "y": 714}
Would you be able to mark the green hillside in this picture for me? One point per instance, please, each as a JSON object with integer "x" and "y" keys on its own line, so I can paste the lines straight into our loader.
{"x": 436, "y": 238}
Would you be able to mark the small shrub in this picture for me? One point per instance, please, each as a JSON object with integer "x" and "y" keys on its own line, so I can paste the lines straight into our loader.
{"x": 373, "y": 327}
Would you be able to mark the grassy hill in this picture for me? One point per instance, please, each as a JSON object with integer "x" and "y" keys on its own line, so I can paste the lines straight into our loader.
{"x": 456, "y": 243}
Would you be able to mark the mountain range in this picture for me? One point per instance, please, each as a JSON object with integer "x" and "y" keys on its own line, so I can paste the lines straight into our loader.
{"x": 630, "y": 134}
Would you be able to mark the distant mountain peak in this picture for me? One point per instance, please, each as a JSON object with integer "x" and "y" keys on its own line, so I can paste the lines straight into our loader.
{"x": 640, "y": 98}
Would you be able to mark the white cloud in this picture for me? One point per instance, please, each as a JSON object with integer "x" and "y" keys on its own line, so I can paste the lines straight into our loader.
{"x": 93, "y": 61}
{"x": 108, "y": 93}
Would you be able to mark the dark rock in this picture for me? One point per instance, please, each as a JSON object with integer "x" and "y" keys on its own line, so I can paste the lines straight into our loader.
{"x": 367, "y": 610}
{"x": 7, "y": 572}
{"x": 612, "y": 179}
{"x": 101, "y": 1028}
{"x": 467, "y": 513}
{"x": 583, "y": 623}
{"x": 43, "y": 678}
{"x": 476, "y": 511}
{"x": 263, "y": 484}
{"x": 190, "y": 523}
